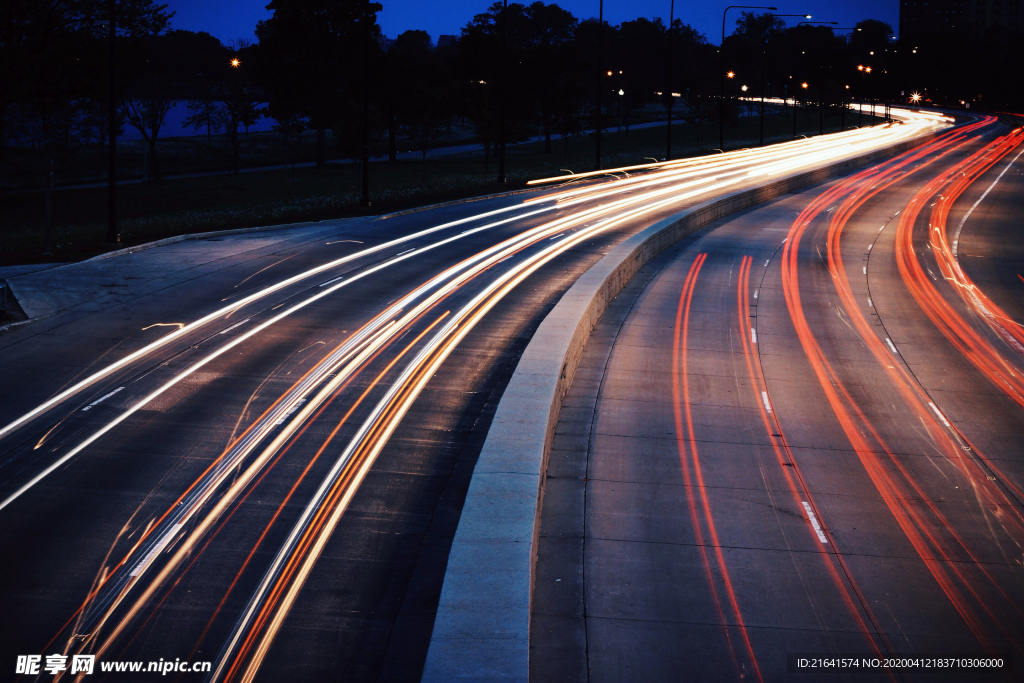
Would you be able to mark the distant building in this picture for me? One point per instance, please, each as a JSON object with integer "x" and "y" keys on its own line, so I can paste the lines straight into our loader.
{"x": 931, "y": 16}
{"x": 985, "y": 14}
{"x": 447, "y": 41}
{"x": 958, "y": 16}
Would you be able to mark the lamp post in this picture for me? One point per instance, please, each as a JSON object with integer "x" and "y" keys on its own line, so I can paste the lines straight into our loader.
{"x": 501, "y": 95}
{"x": 112, "y": 236}
{"x": 668, "y": 135}
{"x": 721, "y": 51}
{"x": 600, "y": 86}
{"x": 365, "y": 199}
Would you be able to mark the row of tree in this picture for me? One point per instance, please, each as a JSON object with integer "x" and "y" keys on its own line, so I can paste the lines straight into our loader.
{"x": 324, "y": 65}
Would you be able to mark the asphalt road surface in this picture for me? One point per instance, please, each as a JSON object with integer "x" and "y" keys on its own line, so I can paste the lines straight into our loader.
{"x": 799, "y": 432}
{"x": 261, "y": 465}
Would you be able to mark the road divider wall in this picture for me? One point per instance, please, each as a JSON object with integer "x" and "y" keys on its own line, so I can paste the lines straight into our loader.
{"x": 482, "y": 628}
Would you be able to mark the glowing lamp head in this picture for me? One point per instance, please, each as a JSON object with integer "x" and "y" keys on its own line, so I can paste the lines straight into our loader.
{"x": 804, "y": 85}
{"x": 731, "y": 74}
{"x": 915, "y": 97}
{"x": 236, "y": 62}
{"x": 860, "y": 67}
{"x": 743, "y": 88}
{"x": 867, "y": 69}
{"x": 609, "y": 73}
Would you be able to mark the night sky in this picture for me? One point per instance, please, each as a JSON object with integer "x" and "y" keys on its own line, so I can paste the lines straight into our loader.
{"x": 230, "y": 20}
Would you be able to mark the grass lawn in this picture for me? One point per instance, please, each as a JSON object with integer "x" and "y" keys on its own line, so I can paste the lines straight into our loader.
{"x": 153, "y": 210}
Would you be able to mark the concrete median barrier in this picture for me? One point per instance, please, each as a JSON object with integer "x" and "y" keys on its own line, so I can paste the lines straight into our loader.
{"x": 482, "y": 628}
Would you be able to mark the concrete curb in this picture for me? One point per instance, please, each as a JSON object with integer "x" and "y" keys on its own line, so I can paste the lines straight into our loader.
{"x": 285, "y": 226}
{"x": 262, "y": 228}
{"x": 195, "y": 236}
{"x": 482, "y": 628}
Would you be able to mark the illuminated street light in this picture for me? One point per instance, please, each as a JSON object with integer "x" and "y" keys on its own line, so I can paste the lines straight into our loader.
{"x": 235, "y": 62}
{"x": 916, "y": 97}
{"x": 867, "y": 69}
{"x": 743, "y": 88}
{"x": 730, "y": 74}
{"x": 860, "y": 67}
{"x": 804, "y": 85}
{"x": 621, "y": 91}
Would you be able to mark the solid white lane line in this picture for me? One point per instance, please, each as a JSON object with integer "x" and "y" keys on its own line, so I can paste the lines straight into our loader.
{"x": 767, "y": 405}
{"x": 280, "y": 420}
{"x": 941, "y": 416}
{"x": 238, "y": 324}
{"x": 101, "y": 399}
{"x": 156, "y": 549}
{"x": 814, "y": 522}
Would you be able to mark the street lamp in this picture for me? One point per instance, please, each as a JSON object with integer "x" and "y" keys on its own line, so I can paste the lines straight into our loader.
{"x": 113, "y": 236}
{"x": 721, "y": 50}
{"x": 364, "y": 200}
{"x": 501, "y": 117}
{"x": 600, "y": 86}
{"x": 236, "y": 62}
{"x": 668, "y": 134}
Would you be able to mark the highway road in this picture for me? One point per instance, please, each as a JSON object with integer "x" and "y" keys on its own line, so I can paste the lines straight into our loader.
{"x": 261, "y": 466}
{"x": 799, "y": 431}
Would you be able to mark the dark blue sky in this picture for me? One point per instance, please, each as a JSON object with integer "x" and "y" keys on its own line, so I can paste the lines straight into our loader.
{"x": 233, "y": 19}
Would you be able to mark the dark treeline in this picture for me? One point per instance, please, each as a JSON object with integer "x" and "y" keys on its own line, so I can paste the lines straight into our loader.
{"x": 316, "y": 60}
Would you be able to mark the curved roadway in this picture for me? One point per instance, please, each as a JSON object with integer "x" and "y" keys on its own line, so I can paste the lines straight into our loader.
{"x": 799, "y": 432}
